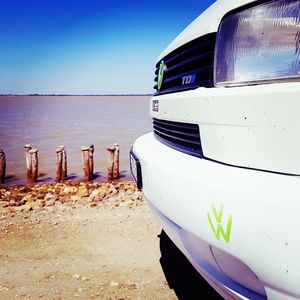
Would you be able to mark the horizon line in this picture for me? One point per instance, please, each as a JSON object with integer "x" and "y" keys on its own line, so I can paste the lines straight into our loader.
{"x": 150, "y": 94}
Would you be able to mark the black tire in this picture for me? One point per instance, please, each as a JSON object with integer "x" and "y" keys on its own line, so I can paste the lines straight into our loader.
{"x": 180, "y": 274}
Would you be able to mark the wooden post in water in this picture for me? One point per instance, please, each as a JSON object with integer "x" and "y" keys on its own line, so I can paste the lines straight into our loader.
{"x": 59, "y": 161}
{"x": 64, "y": 174}
{"x": 110, "y": 162}
{"x": 28, "y": 161}
{"x": 34, "y": 165}
{"x": 2, "y": 166}
{"x": 91, "y": 161}
{"x": 116, "y": 165}
{"x": 85, "y": 162}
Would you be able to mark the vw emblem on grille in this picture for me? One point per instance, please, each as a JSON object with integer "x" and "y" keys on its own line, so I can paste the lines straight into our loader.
{"x": 162, "y": 68}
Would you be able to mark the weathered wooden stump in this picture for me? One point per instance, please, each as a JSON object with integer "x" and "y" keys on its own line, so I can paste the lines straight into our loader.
{"x": 85, "y": 162}
{"x": 2, "y": 166}
{"x": 59, "y": 162}
{"x": 34, "y": 165}
{"x": 110, "y": 162}
{"x": 28, "y": 161}
{"x": 91, "y": 161}
{"x": 113, "y": 162}
{"x": 116, "y": 166}
{"x": 64, "y": 173}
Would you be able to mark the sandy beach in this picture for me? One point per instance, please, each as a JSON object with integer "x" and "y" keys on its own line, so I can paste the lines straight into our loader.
{"x": 79, "y": 241}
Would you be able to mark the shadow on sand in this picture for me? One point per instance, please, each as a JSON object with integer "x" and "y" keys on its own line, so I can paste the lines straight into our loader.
{"x": 181, "y": 276}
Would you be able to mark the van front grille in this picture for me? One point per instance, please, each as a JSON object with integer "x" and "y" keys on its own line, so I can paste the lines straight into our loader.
{"x": 188, "y": 67}
{"x": 184, "y": 137}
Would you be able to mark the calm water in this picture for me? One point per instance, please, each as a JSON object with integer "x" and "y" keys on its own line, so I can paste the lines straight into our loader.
{"x": 46, "y": 122}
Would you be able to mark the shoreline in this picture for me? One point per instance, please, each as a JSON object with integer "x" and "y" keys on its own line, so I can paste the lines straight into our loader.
{"x": 69, "y": 194}
{"x": 75, "y": 95}
{"x": 20, "y": 179}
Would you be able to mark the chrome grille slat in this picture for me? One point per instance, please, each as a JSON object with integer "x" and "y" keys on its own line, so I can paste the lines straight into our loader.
{"x": 194, "y": 58}
{"x": 177, "y": 125}
{"x": 178, "y": 140}
{"x": 199, "y": 59}
{"x": 177, "y": 133}
{"x": 179, "y": 76}
{"x": 184, "y": 137}
{"x": 197, "y": 46}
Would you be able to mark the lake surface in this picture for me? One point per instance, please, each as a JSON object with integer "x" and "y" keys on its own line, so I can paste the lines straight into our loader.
{"x": 46, "y": 122}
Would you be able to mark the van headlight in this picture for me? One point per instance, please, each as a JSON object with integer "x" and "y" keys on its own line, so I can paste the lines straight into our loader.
{"x": 259, "y": 44}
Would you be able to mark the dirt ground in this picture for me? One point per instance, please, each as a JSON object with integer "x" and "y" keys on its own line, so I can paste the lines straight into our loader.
{"x": 81, "y": 253}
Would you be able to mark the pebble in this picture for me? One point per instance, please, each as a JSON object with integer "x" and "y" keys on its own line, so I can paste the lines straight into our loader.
{"x": 76, "y": 276}
{"x": 85, "y": 279}
{"x": 132, "y": 286}
{"x": 114, "y": 283}
{"x": 57, "y": 197}
{"x": 68, "y": 190}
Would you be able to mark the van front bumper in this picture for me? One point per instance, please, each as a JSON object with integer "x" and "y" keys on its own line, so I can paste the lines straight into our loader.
{"x": 238, "y": 227}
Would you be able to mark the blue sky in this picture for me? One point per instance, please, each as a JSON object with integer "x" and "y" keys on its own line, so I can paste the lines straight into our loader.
{"x": 87, "y": 46}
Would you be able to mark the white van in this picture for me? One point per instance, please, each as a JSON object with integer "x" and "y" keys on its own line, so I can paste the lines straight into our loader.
{"x": 221, "y": 168}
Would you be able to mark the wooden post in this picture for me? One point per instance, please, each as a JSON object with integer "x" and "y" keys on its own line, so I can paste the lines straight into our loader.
{"x": 2, "y": 166}
{"x": 28, "y": 161}
{"x": 34, "y": 165}
{"x": 111, "y": 151}
{"x": 91, "y": 161}
{"x": 59, "y": 161}
{"x": 64, "y": 174}
{"x": 116, "y": 165}
{"x": 85, "y": 161}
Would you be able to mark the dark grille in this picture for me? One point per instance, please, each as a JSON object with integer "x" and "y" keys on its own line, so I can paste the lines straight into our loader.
{"x": 184, "y": 137}
{"x": 194, "y": 59}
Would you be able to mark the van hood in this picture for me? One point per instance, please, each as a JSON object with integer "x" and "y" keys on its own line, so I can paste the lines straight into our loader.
{"x": 206, "y": 23}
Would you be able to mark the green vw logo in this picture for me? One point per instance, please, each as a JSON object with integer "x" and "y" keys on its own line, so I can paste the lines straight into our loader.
{"x": 162, "y": 68}
{"x": 217, "y": 223}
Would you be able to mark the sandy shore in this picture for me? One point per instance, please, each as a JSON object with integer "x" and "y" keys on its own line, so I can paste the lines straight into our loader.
{"x": 79, "y": 241}
{"x": 89, "y": 241}
{"x": 72, "y": 195}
